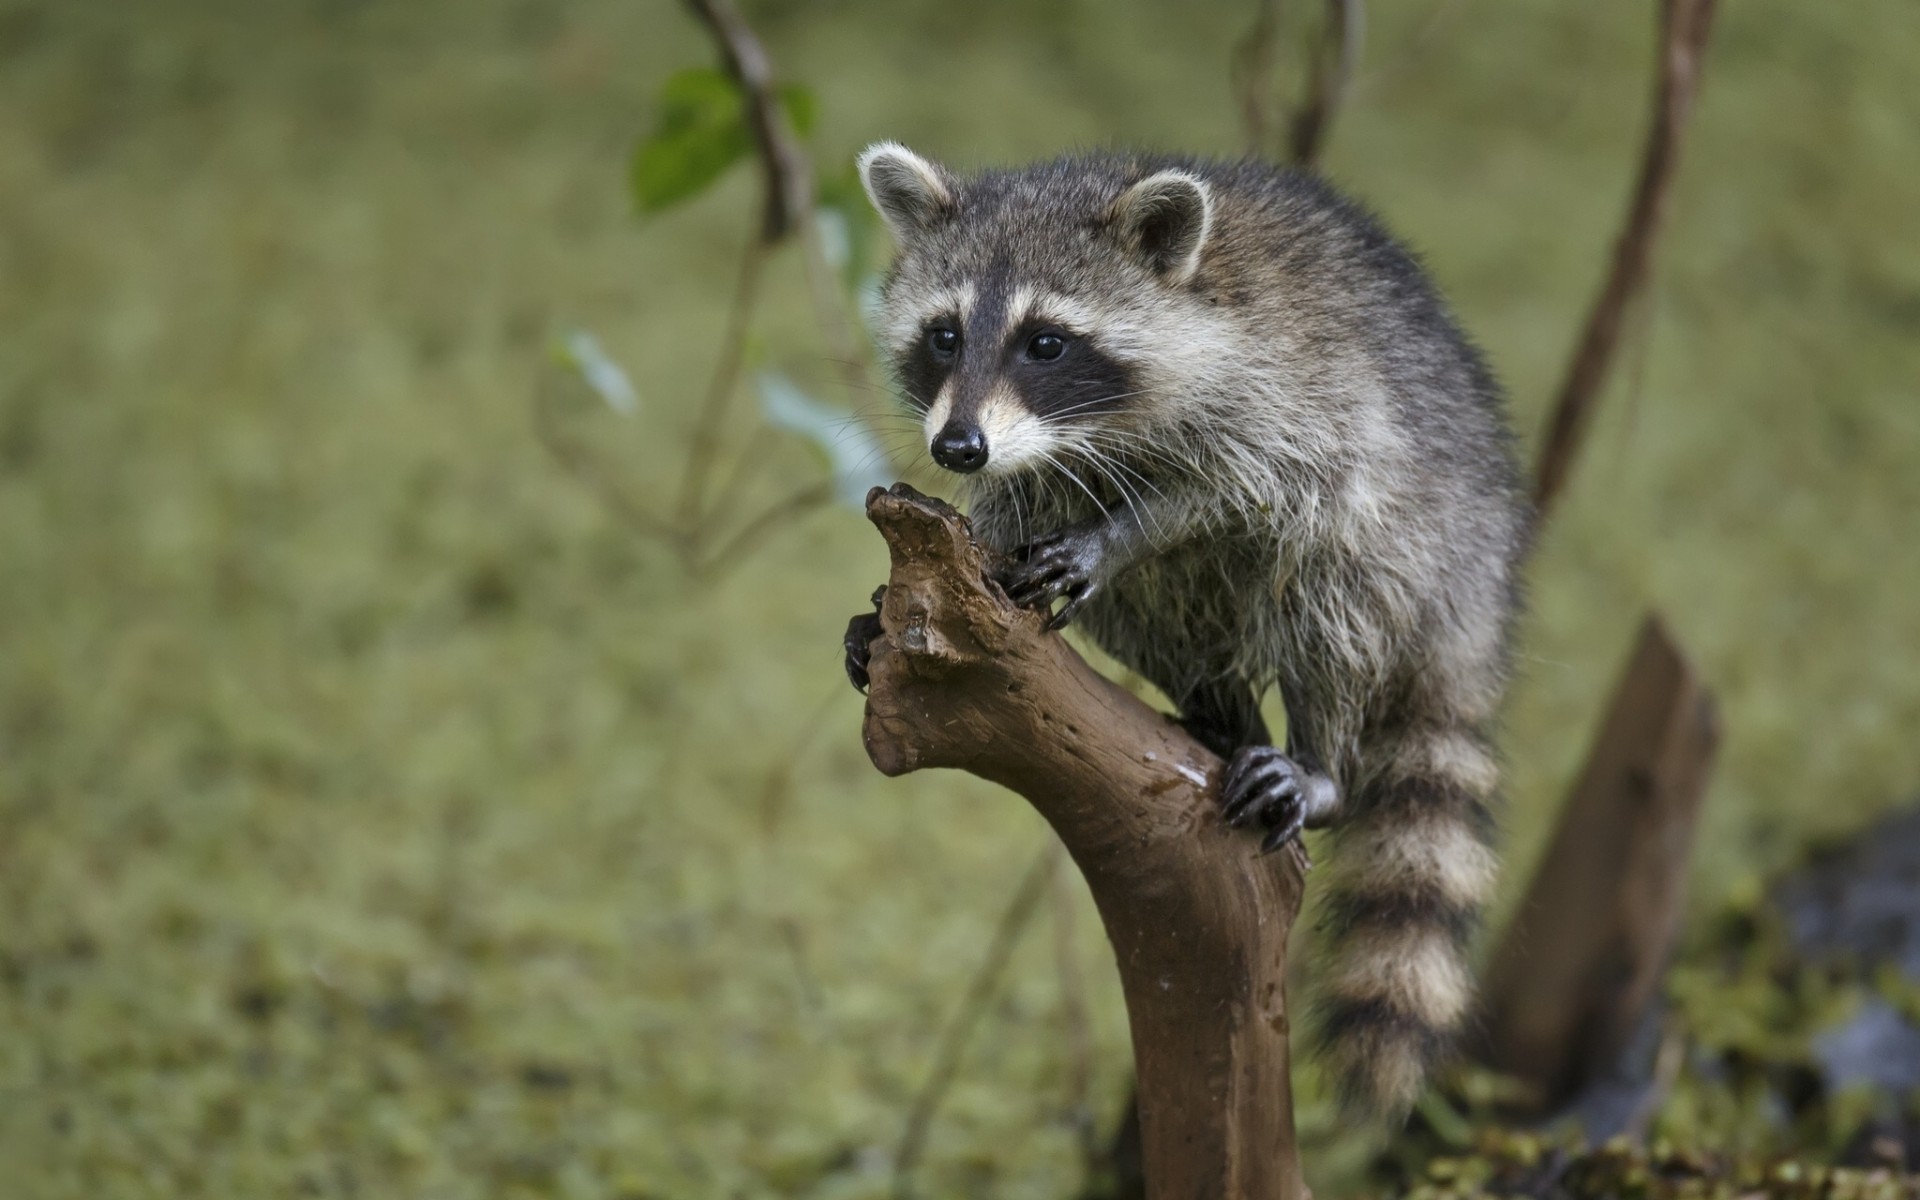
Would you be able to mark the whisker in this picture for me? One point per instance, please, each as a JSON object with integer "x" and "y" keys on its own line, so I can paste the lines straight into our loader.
{"x": 1059, "y": 414}
{"x": 1076, "y": 479}
{"x": 1111, "y": 469}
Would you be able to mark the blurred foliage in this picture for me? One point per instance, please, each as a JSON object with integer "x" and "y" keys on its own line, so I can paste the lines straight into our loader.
{"x": 700, "y": 131}
{"x": 1518, "y": 1164}
{"x": 378, "y": 815}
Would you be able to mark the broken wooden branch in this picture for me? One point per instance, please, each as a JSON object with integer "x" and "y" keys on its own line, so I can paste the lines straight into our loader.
{"x": 1585, "y": 953}
{"x": 1198, "y": 918}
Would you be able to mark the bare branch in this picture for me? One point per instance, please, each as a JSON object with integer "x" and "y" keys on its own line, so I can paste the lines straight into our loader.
{"x": 788, "y": 186}
{"x": 587, "y": 470}
{"x": 1684, "y": 27}
{"x": 1333, "y": 68}
{"x": 980, "y": 992}
{"x": 721, "y": 386}
{"x": 1251, "y": 69}
{"x": 1331, "y": 74}
{"x": 748, "y": 538}
{"x": 787, "y": 209}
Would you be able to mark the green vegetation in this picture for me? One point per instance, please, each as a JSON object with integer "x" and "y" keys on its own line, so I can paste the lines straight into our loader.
{"x": 380, "y": 816}
{"x": 1507, "y": 1163}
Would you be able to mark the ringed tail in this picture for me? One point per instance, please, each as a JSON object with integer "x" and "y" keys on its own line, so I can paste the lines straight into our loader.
{"x": 1411, "y": 870}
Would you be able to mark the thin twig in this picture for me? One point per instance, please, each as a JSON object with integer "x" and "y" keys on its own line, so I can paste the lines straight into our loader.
{"x": 587, "y": 470}
{"x": 794, "y": 506}
{"x": 1667, "y": 1062}
{"x": 1333, "y": 68}
{"x": 1251, "y": 69}
{"x": 1073, "y": 1015}
{"x": 779, "y": 780}
{"x": 732, "y": 489}
{"x": 1331, "y": 74}
{"x": 724, "y": 381}
{"x": 788, "y": 209}
{"x": 1684, "y": 26}
{"x": 846, "y": 348}
{"x": 980, "y": 992}
{"x": 788, "y": 179}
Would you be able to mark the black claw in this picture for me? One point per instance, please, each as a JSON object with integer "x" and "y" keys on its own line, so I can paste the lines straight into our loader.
{"x": 1076, "y": 600}
{"x": 1270, "y": 783}
{"x": 1280, "y": 836}
{"x": 858, "y": 644}
{"x": 1262, "y": 803}
{"x": 1240, "y": 764}
{"x": 1263, "y": 784}
{"x": 1062, "y": 564}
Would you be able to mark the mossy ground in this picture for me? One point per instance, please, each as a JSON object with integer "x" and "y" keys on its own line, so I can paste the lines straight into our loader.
{"x": 380, "y": 816}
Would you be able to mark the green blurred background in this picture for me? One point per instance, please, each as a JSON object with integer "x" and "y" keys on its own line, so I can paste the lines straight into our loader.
{"x": 379, "y": 815}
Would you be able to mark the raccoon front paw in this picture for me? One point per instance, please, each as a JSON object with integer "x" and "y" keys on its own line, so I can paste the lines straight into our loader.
{"x": 861, "y": 632}
{"x": 1284, "y": 795}
{"x": 1067, "y": 564}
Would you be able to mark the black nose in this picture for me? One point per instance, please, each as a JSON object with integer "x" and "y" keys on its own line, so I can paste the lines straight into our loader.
{"x": 961, "y": 448}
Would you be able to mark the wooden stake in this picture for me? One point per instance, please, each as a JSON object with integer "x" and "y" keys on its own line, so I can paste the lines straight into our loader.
{"x": 1590, "y": 942}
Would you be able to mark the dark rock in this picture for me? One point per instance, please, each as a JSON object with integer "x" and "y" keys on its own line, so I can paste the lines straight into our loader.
{"x": 1860, "y": 899}
{"x": 1879, "y": 1047}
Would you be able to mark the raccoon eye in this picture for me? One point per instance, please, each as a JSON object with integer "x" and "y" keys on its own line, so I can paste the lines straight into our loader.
{"x": 1046, "y": 346}
{"x": 943, "y": 341}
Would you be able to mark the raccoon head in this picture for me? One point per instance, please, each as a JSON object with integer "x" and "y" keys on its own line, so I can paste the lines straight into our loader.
{"x": 1028, "y": 314}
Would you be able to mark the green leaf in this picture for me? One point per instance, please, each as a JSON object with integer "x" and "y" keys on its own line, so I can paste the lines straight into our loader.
{"x": 701, "y": 131}
{"x": 857, "y": 458}
{"x": 801, "y": 107}
{"x": 582, "y": 351}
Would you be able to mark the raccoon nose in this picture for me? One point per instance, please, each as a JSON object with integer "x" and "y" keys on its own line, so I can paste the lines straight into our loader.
{"x": 961, "y": 448}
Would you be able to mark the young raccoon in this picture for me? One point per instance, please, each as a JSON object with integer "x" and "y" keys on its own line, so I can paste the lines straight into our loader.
{"x": 1222, "y": 415}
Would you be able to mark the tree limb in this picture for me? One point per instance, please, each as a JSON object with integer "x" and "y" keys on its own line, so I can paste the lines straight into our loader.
{"x": 1198, "y": 919}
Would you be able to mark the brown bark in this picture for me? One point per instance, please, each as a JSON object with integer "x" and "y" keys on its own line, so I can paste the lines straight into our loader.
{"x": 1198, "y": 919}
{"x": 1587, "y": 949}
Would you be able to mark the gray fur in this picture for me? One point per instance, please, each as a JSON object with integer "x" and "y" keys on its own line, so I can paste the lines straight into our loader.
{"x": 1311, "y": 485}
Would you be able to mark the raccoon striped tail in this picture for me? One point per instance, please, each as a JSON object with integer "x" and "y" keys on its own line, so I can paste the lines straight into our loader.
{"x": 1411, "y": 869}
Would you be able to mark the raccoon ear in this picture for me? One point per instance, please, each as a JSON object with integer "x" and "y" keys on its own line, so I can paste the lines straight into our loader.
{"x": 1165, "y": 219}
{"x": 911, "y": 193}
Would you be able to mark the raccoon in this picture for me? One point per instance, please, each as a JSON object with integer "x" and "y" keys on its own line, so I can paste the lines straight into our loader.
{"x": 1217, "y": 414}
